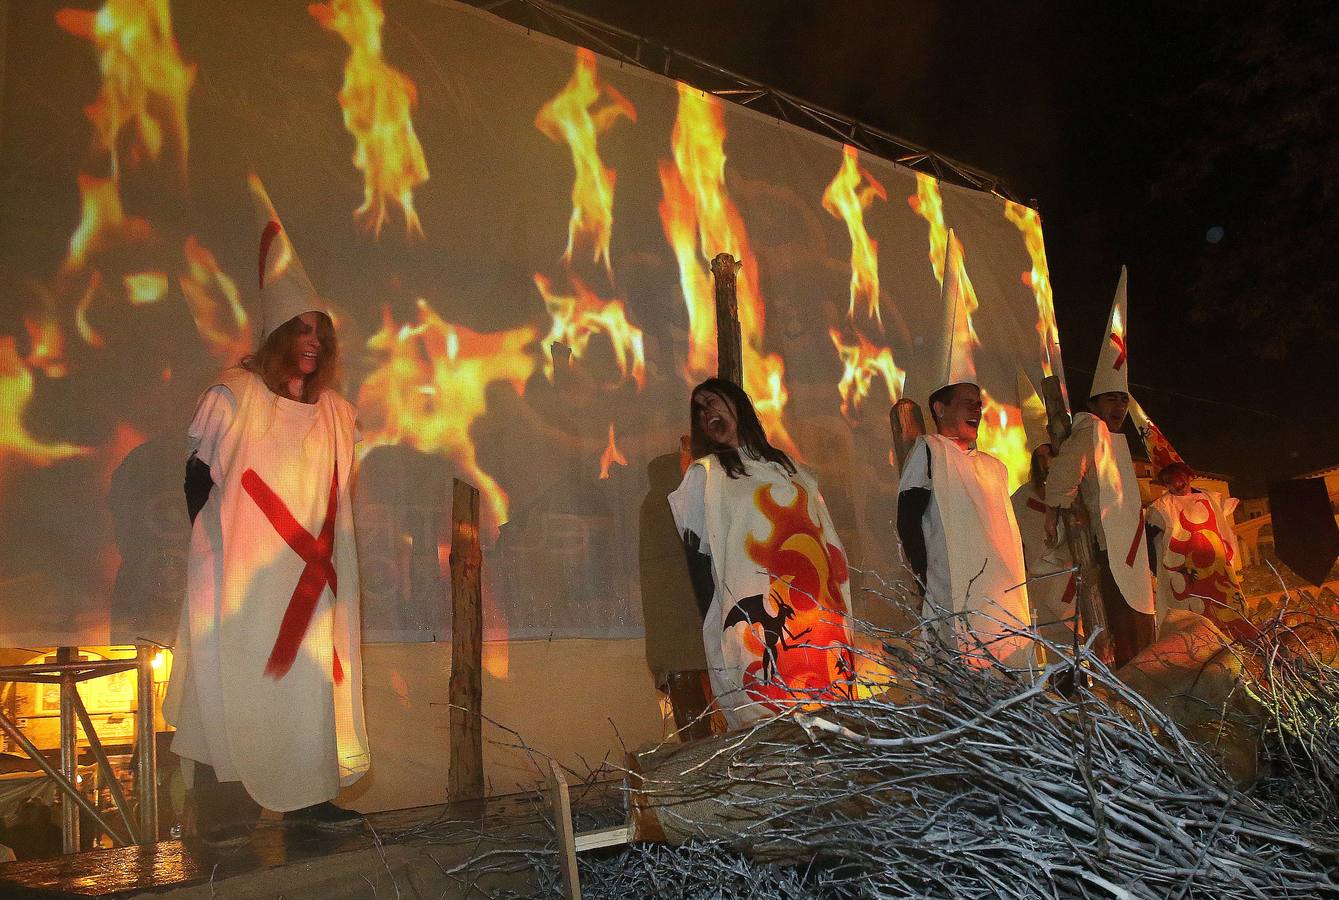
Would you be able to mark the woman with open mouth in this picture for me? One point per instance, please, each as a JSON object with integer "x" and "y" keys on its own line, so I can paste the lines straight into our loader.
{"x": 767, "y": 566}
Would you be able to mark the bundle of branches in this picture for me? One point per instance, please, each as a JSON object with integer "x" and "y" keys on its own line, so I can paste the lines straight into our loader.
{"x": 1293, "y": 674}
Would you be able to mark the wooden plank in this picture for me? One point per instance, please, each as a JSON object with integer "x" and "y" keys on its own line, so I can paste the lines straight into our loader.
{"x": 729, "y": 355}
{"x": 465, "y": 776}
{"x": 605, "y": 837}
{"x": 560, "y": 807}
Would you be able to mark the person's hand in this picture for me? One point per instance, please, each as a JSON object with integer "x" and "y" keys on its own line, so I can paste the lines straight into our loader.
{"x": 1048, "y": 525}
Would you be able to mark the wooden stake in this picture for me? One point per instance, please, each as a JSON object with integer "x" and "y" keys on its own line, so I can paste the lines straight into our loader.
{"x": 465, "y": 778}
{"x": 908, "y": 423}
{"x": 729, "y": 355}
{"x": 560, "y": 807}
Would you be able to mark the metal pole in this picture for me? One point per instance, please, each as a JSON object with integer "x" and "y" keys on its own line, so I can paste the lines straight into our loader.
{"x": 146, "y": 746}
{"x": 69, "y": 754}
{"x": 113, "y": 786}
{"x": 68, "y": 787}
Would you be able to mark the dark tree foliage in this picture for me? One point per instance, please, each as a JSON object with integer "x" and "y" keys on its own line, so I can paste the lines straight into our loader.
{"x": 1261, "y": 129}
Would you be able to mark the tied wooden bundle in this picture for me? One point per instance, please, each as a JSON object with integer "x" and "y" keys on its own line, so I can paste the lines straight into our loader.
{"x": 961, "y": 783}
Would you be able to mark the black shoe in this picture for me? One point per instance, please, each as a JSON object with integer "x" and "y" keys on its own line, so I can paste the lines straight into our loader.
{"x": 326, "y": 816}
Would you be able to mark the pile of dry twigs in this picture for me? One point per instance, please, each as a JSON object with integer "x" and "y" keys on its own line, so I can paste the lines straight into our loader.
{"x": 962, "y": 784}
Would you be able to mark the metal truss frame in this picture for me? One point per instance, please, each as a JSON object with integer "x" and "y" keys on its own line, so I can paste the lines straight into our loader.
{"x": 569, "y": 25}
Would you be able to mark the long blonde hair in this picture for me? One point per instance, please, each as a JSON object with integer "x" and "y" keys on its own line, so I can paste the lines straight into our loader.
{"x": 274, "y": 361}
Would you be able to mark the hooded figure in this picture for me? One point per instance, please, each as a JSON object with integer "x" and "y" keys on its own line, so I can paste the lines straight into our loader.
{"x": 266, "y": 690}
{"x": 1095, "y": 461}
{"x": 1196, "y": 546}
{"x": 954, "y": 518}
{"x": 1052, "y": 583}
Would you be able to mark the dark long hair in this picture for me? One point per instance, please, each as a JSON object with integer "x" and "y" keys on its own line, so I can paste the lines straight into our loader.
{"x": 747, "y": 427}
{"x": 273, "y": 361}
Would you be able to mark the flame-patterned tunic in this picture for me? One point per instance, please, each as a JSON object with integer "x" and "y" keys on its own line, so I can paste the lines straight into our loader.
{"x": 778, "y": 629}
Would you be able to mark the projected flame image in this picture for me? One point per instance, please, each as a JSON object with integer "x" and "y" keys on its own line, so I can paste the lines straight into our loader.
{"x": 522, "y": 295}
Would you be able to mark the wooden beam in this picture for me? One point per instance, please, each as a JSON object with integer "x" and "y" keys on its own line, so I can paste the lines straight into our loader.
{"x": 908, "y": 423}
{"x": 729, "y": 352}
{"x": 465, "y": 777}
{"x": 560, "y": 807}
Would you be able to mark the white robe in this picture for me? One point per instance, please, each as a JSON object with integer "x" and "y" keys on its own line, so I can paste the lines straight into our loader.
{"x": 1197, "y": 552}
{"x": 267, "y": 679}
{"x": 1094, "y": 460}
{"x": 974, "y": 555}
{"x": 1052, "y": 598}
{"x": 781, "y": 588}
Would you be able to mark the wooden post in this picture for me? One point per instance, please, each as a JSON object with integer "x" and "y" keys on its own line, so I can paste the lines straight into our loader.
{"x": 908, "y": 423}
{"x": 1078, "y": 527}
{"x": 465, "y": 779}
{"x": 729, "y": 355}
{"x": 146, "y": 744}
{"x": 560, "y": 807}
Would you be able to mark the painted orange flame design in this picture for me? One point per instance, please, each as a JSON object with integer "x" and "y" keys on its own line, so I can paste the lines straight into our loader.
{"x": 700, "y": 220}
{"x": 46, "y": 339}
{"x": 102, "y": 221}
{"x": 81, "y": 324}
{"x": 846, "y": 200}
{"x": 862, "y": 362}
{"x": 578, "y": 317}
{"x": 1003, "y": 436}
{"x": 16, "y": 392}
{"x": 430, "y": 386}
{"x": 377, "y": 101}
{"x": 145, "y": 287}
{"x": 1205, "y": 573}
{"x": 145, "y": 83}
{"x": 571, "y": 117}
{"x": 929, "y": 205}
{"x": 807, "y": 574}
{"x": 1039, "y": 280}
{"x": 215, "y": 304}
{"x": 611, "y": 455}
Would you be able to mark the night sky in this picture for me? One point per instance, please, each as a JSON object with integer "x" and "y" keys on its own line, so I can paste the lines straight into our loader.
{"x": 1099, "y": 115}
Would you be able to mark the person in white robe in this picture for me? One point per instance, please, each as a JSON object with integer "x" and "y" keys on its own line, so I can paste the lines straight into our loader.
{"x": 1094, "y": 462}
{"x": 767, "y": 566}
{"x": 1052, "y": 581}
{"x": 954, "y": 518}
{"x": 1197, "y": 553}
{"x": 266, "y": 686}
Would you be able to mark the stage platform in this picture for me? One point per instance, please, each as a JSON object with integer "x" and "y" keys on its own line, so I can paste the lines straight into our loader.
{"x": 439, "y": 851}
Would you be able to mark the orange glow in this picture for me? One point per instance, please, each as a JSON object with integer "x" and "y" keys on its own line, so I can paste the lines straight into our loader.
{"x": 862, "y": 362}
{"x": 16, "y": 392}
{"x": 215, "y": 304}
{"x": 696, "y": 201}
{"x": 929, "y": 205}
{"x": 430, "y": 385}
{"x": 846, "y": 200}
{"x": 377, "y": 101}
{"x": 114, "y": 452}
{"x": 571, "y": 117}
{"x": 1039, "y": 280}
{"x": 145, "y": 83}
{"x": 611, "y": 455}
{"x": 101, "y": 221}
{"x": 576, "y": 318}
{"x": 91, "y": 337}
{"x": 1003, "y": 436}
{"x": 47, "y": 340}
{"x": 146, "y": 287}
